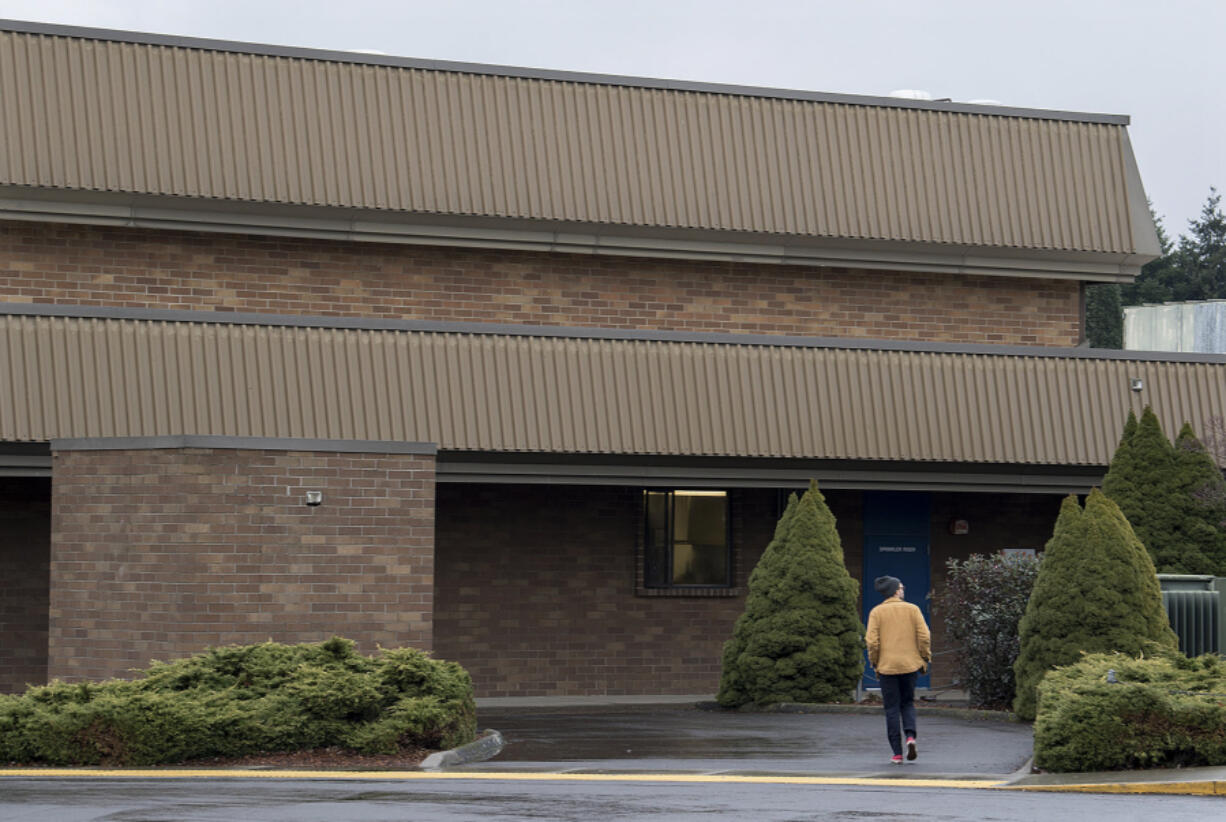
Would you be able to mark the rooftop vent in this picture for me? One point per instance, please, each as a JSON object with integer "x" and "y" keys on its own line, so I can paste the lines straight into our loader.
{"x": 911, "y": 94}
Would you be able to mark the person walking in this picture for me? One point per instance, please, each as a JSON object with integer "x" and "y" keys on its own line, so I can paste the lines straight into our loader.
{"x": 899, "y": 648}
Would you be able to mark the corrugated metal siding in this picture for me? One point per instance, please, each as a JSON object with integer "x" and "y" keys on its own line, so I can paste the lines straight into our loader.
{"x": 123, "y": 117}
{"x": 67, "y": 377}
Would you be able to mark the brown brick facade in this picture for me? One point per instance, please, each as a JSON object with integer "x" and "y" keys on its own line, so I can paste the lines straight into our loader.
{"x": 159, "y": 553}
{"x": 68, "y": 264}
{"x": 536, "y": 595}
{"x": 25, "y": 540}
{"x": 536, "y": 592}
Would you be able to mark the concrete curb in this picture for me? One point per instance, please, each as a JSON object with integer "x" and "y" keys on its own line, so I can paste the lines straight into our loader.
{"x": 1216, "y": 787}
{"x": 484, "y": 747}
{"x": 1200, "y": 781}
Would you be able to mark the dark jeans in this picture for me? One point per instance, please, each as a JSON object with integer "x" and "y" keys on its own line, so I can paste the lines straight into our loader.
{"x": 898, "y": 694}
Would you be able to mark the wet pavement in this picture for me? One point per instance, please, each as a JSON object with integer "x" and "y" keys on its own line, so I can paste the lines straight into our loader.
{"x": 672, "y": 738}
{"x": 478, "y": 800}
{"x": 660, "y": 761}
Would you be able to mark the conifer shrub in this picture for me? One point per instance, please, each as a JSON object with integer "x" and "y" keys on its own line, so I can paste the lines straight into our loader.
{"x": 1096, "y": 591}
{"x": 1202, "y": 494}
{"x": 1160, "y": 712}
{"x": 1169, "y": 495}
{"x": 800, "y": 638}
{"x": 239, "y": 700}
{"x": 982, "y": 602}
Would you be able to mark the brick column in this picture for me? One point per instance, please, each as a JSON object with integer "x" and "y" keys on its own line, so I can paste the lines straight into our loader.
{"x": 163, "y": 546}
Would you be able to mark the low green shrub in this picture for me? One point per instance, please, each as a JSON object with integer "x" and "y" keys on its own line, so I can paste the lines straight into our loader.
{"x": 241, "y": 700}
{"x": 1161, "y": 712}
{"x": 982, "y": 602}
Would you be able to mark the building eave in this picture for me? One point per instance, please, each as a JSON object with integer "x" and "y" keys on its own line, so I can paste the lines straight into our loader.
{"x": 351, "y": 225}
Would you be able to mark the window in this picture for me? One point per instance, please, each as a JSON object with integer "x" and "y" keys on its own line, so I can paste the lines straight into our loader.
{"x": 685, "y": 539}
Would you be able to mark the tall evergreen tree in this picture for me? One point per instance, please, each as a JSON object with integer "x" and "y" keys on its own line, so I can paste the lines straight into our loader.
{"x": 800, "y": 638}
{"x": 1154, "y": 283}
{"x": 1104, "y": 316}
{"x": 1096, "y": 591}
{"x": 1143, "y": 480}
{"x": 1202, "y": 493}
{"x": 1192, "y": 269}
{"x": 1202, "y": 254}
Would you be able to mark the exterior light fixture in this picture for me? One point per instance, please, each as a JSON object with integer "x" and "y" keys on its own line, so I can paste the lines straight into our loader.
{"x": 1136, "y": 383}
{"x": 314, "y": 498}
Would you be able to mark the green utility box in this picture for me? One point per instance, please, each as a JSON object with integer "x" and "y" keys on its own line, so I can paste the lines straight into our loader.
{"x": 1196, "y": 607}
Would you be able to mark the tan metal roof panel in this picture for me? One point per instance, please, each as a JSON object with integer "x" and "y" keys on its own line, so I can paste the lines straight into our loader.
{"x": 145, "y": 118}
{"x": 63, "y": 377}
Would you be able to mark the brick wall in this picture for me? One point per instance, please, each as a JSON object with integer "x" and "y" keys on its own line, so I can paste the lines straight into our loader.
{"x": 25, "y": 539}
{"x": 159, "y": 553}
{"x": 536, "y": 592}
{"x": 67, "y": 264}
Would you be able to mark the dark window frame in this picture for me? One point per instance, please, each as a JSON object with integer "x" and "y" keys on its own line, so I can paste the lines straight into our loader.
{"x": 659, "y": 583}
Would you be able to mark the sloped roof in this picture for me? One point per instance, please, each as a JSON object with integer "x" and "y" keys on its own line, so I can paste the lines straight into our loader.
{"x": 99, "y": 376}
{"x": 793, "y": 176}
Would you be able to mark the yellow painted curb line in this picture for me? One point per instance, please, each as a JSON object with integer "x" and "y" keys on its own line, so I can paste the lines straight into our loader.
{"x": 134, "y": 773}
{"x": 1191, "y": 788}
{"x": 1212, "y": 788}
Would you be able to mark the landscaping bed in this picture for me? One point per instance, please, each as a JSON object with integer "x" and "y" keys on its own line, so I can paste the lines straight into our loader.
{"x": 255, "y": 704}
{"x": 1115, "y": 712}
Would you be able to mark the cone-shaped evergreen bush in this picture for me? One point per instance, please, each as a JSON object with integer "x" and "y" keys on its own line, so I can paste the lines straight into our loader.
{"x": 1130, "y": 427}
{"x": 800, "y": 638}
{"x": 1096, "y": 592}
{"x": 1202, "y": 493}
{"x": 1145, "y": 480}
{"x": 1141, "y": 479}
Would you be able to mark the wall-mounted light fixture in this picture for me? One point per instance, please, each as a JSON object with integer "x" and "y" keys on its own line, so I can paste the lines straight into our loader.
{"x": 1136, "y": 383}
{"x": 314, "y": 497}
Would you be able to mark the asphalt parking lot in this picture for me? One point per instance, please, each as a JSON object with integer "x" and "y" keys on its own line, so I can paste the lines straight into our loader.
{"x": 685, "y": 738}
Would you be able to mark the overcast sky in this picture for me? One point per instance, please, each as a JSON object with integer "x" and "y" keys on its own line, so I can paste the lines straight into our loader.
{"x": 1159, "y": 61}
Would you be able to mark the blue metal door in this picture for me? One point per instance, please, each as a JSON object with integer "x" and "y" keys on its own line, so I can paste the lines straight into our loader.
{"x": 896, "y": 532}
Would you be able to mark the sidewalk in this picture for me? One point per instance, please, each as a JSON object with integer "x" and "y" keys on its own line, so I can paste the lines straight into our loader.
{"x": 636, "y": 736}
{"x": 672, "y": 739}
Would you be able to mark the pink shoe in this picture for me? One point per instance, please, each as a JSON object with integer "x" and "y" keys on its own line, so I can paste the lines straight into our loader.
{"x": 912, "y": 752}
{"x": 896, "y": 759}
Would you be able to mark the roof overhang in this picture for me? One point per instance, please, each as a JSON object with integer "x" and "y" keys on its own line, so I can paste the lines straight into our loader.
{"x": 578, "y": 395}
{"x": 472, "y": 467}
{"x": 529, "y": 469}
{"x": 25, "y": 459}
{"x": 357, "y": 225}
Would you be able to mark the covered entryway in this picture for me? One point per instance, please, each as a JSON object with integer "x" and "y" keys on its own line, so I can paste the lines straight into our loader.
{"x": 540, "y": 586}
{"x": 25, "y": 556}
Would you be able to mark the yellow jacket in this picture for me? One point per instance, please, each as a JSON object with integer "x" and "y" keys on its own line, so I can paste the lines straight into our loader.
{"x": 898, "y": 639}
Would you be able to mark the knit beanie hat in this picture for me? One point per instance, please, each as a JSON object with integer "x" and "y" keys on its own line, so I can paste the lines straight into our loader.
{"x": 887, "y": 586}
